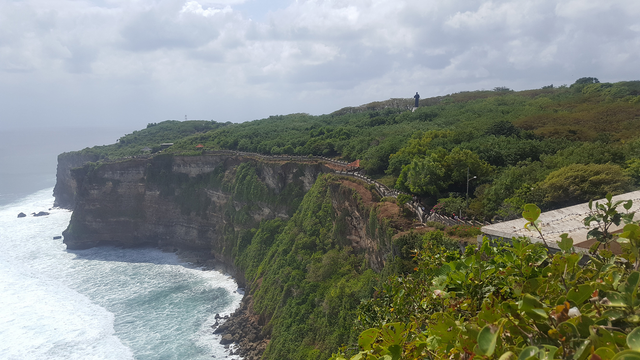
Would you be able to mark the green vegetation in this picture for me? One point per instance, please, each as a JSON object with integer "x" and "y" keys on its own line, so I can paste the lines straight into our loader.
{"x": 463, "y": 231}
{"x": 554, "y": 146}
{"x": 509, "y": 301}
{"x": 155, "y": 134}
{"x": 604, "y": 216}
{"x": 527, "y": 146}
{"x": 305, "y": 275}
{"x": 503, "y": 149}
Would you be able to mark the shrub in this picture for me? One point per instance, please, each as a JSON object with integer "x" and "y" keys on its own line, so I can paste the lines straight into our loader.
{"x": 436, "y": 225}
{"x": 504, "y": 301}
{"x": 403, "y": 199}
{"x": 450, "y": 205}
{"x": 577, "y": 183}
{"x": 463, "y": 231}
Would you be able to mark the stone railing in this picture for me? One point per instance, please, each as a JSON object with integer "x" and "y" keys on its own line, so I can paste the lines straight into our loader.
{"x": 450, "y": 221}
{"x": 349, "y": 171}
{"x": 279, "y": 157}
{"x": 353, "y": 172}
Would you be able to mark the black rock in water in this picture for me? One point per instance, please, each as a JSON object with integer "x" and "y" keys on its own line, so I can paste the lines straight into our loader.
{"x": 41, "y": 213}
{"x": 57, "y": 237}
{"x": 21, "y": 215}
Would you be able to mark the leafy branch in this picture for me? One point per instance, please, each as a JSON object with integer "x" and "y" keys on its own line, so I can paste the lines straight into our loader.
{"x": 531, "y": 213}
{"x": 605, "y": 215}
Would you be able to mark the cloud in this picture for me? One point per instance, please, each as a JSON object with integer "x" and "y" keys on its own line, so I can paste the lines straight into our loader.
{"x": 152, "y": 30}
{"x": 80, "y": 58}
{"x": 176, "y": 55}
{"x": 195, "y": 7}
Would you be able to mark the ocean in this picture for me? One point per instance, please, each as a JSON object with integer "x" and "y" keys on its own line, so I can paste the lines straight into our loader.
{"x": 101, "y": 303}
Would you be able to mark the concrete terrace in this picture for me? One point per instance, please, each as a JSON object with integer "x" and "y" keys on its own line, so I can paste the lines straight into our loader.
{"x": 568, "y": 220}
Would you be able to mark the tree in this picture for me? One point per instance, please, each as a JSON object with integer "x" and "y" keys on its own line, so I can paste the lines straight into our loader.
{"x": 582, "y": 82}
{"x": 419, "y": 145}
{"x": 424, "y": 176}
{"x": 502, "y": 128}
{"x": 586, "y": 81}
{"x": 440, "y": 170}
{"x": 459, "y": 161}
{"x": 633, "y": 170}
{"x": 376, "y": 159}
{"x": 577, "y": 183}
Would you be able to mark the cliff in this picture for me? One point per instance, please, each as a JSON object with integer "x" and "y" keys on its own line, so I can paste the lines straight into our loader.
{"x": 314, "y": 273}
{"x": 197, "y": 203}
{"x": 280, "y": 227}
{"x": 66, "y": 186}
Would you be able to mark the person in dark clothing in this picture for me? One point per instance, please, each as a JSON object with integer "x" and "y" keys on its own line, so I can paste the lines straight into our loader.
{"x": 417, "y": 97}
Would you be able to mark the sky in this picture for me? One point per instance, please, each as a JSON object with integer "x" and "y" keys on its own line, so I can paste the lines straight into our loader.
{"x": 121, "y": 64}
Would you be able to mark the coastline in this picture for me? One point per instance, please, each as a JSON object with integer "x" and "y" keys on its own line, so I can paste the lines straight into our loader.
{"x": 242, "y": 331}
{"x": 89, "y": 289}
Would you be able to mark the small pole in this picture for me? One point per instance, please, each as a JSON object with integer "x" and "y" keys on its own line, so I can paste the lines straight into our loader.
{"x": 467, "y": 202}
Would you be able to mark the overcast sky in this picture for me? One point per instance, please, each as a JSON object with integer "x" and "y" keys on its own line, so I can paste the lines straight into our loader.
{"x": 125, "y": 63}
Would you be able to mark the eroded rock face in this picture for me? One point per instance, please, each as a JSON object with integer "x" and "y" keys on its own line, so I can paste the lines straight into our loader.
{"x": 65, "y": 189}
{"x": 206, "y": 205}
{"x": 185, "y": 202}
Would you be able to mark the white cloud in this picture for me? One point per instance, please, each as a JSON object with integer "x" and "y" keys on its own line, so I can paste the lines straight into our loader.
{"x": 194, "y": 7}
{"x": 160, "y": 59}
{"x": 579, "y": 9}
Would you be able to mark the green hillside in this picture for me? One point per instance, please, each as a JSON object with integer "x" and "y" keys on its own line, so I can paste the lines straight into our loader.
{"x": 148, "y": 140}
{"x": 551, "y": 146}
{"x": 315, "y": 290}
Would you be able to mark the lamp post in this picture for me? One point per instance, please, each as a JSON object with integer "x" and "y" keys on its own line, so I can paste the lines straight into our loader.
{"x": 468, "y": 179}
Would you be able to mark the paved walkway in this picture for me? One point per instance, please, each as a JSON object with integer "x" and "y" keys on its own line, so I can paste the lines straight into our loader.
{"x": 568, "y": 220}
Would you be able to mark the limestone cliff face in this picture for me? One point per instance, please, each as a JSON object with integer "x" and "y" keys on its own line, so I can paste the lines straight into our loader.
{"x": 66, "y": 186}
{"x": 359, "y": 215}
{"x": 212, "y": 205}
{"x": 199, "y": 203}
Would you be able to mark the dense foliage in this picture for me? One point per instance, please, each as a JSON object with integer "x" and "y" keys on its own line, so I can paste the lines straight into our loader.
{"x": 306, "y": 276}
{"x": 148, "y": 141}
{"x": 517, "y": 147}
{"x": 487, "y": 153}
{"x": 506, "y": 301}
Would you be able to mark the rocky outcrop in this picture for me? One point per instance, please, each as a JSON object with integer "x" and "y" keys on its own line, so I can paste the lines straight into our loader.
{"x": 246, "y": 329}
{"x": 66, "y": 187}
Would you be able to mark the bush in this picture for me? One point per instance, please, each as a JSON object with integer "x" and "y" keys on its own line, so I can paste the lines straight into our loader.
{"x": 463, "y": 231}
{"x": 450, "y": 205}
{"x": 403, "y": 199}
{"x": 436, "y": 225}
{"x": 578, "y": 183}
{"x": 506, "y": 301}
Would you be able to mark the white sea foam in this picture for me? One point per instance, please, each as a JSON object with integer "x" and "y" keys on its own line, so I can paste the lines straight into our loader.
{"x": 43, "y": 319}
{"x": 101, "y": 303}
{"x": 40, "y": 317}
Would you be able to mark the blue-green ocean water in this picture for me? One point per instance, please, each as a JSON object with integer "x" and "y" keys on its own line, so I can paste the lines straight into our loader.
{"x": 101, "y": 303}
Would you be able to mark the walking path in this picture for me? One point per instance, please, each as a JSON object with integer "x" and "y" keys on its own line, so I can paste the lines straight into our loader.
{"x": 344, "y": 170}
{"x": 355, "y": 172}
